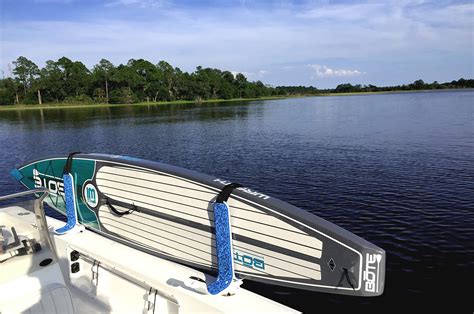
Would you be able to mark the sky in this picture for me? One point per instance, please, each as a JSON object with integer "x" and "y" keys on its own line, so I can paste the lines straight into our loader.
{"x": 317, "y": 43}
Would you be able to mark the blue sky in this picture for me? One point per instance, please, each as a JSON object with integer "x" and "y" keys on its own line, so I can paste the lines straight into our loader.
{"x": 319, "y": 43}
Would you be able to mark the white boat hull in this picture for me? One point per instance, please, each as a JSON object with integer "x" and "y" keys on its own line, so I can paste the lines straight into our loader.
{"x": 111, "y": 277}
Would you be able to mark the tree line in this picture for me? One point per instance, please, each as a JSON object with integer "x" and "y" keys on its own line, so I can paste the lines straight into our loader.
{"x": 417, "y": 85}
{"x": 139, "y": 80}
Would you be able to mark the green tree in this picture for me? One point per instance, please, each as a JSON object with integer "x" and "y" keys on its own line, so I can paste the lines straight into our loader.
{"x": 241, "y": 82}
{"x": 418, "y": 84}
{"x": 168, "y": 78}
{"x": 25, "y": 71}
{"x": 185, "y": 86}
{"x": 103, "y": 71}
{"x": 76, "y": 78}
{"x": 54, "y": 82}
{"x": 124, "y": 76}
{"x": 39, "y": 84}
{"x": 228, "y": 85}
{"x": 146, "y": 77}
{"x": 8, "y": 91}
{"x": 344, "y": 88}
{"x": 201, "y": 88}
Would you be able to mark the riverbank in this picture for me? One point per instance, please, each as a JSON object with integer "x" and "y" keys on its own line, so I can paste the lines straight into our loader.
{"x": 181, "y": 102}
{"x": 176, "y": 102}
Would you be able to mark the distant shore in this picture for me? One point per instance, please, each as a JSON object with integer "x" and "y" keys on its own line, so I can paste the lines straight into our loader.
{"x": 179, "y": 102}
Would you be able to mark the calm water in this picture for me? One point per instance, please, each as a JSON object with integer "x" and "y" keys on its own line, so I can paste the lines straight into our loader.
{"x": 396, "y": 169}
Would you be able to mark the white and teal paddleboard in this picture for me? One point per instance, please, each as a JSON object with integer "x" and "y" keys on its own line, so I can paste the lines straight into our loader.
{"x": 168, "y": 211}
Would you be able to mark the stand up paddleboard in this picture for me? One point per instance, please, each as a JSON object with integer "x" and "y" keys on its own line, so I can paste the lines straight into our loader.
{"x": 171, "y": 212}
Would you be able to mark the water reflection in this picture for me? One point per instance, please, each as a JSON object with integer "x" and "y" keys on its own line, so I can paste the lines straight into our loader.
{"x": 172, "y": 113}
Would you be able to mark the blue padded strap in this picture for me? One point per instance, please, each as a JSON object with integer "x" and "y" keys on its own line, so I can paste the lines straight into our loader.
{"x": 71, "y": 213}
{"x": 225, "y": 259}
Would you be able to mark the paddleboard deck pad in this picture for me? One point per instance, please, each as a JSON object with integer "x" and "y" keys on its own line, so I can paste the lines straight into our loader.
{"x": 168, "y": 211}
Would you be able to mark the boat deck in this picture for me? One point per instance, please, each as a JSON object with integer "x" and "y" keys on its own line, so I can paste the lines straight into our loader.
{"x": 109, "y": 276}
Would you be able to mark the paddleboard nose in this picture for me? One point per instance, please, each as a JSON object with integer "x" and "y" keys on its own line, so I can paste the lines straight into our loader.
{"x": 373, "y": 272}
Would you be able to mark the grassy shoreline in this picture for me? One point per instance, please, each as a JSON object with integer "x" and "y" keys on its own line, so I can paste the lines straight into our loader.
{"x": 181, "y": 102}
{"x": 104, "y": 105}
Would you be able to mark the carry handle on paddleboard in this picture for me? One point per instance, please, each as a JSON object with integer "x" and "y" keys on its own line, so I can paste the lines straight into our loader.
{"x": 226, "y": 279}
{"x": 70, "y": 199}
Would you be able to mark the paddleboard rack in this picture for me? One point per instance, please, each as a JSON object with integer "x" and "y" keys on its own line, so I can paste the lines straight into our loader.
{"x": 72, "y": 225}
{"x": 226, "y": 281}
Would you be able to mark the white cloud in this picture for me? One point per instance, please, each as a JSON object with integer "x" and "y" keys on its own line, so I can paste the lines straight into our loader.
{"x": 343, "y": 12}
{"x": 251, "y": 75}
{"x": 54, "y": 1}
{"x": 138, "y": 3}
{"x": 234, "y": 73}
{"x": 324, "y": 71}
{"x": 457, "y": 15}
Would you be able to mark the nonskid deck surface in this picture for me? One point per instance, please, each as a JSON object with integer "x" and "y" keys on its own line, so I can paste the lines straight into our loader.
{"x": 169, "y": 213}
{"x": 30, "y": 278}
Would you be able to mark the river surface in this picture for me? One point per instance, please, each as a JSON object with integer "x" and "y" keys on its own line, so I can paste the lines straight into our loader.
{"x": 395, "y": 169}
